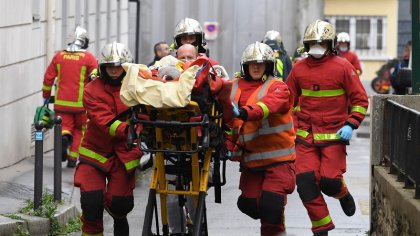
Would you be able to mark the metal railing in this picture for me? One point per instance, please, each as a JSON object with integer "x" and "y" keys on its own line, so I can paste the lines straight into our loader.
{"x": 402, "y": 144}
{"x": 39, "y": 156}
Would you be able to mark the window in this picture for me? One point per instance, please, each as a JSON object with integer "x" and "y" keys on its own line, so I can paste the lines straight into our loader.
{"x": 366, "y": 34}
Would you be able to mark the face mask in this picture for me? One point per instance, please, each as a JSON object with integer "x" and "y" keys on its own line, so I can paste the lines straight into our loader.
{"x": 343, "y": 49}
{"x": 317, "y": 51}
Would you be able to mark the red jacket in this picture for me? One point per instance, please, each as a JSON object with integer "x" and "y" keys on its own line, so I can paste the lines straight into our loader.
{"x": 352, "y": 58}
{"x": 323, "y": 89}
{"x": 71, "y": 70}
{"x": 103, "y": 140}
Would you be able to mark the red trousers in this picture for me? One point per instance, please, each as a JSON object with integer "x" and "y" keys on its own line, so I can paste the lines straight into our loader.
{"x": 100, "y": 190}
{"x": 73, "y": 124}
{"x": 326, "y": 164}
{"x": 275, "y": 182}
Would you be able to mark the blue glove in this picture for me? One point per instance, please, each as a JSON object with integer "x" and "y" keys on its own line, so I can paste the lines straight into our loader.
{"x": 345, "y": 133}
{"x": 228, "y": 155}
{"x": 235, "y": 110}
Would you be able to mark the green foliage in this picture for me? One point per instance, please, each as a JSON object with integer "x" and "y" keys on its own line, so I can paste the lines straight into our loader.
{"x": 47, "y": 210}
{"x": 13, "y": 216}
{"x": 21, "y": 231}
{"x": 75, "y": 224}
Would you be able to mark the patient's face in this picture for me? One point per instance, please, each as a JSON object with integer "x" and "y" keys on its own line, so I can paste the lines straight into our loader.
{"x": 187, "y": 55}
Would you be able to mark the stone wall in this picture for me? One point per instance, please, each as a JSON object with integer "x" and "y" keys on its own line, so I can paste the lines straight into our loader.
{"x": 394, "y": 211}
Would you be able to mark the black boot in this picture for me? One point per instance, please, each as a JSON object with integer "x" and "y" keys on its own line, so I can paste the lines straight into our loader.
{"x": 348, "y": 205}
{"x": 65, "y": 144}
{"x": 321, "y": 234}
{"x": 121, "y": 227}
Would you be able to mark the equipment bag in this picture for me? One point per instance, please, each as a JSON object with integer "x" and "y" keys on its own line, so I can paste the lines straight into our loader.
{"x": 45, "y": 114}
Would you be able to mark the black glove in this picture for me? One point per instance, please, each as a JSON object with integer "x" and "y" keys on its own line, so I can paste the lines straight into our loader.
{"x": 243, "y": 114}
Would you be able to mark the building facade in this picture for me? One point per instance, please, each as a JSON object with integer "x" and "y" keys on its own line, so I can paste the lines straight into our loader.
{"x": 373, "y": 29}
{"x": 31, "y": 31}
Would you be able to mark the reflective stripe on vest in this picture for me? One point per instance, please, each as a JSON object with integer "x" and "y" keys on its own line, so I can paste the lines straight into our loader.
{"x": 267, "y": 130}
{"x": 277, "y": 128}
{"x": 359, "y": 109}
{"x": 324, "y": 221}
{"x": 113, "y": 128}
{"x": 89, "y": 153}
{"x": 296, "y": 108}
{"x": 269, "y": 155}
{"x": 323, "y": 93}
{"x": 79, "y": 102}
{"x": 279, "y": 67}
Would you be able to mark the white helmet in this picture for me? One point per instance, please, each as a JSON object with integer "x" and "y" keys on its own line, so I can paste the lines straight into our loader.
{"x": 257, "y": 53}
{"x": 343, "y": 37}
{"x": 273, "y": 39}
{"x": 78, "y": 40}
{"x": 113, "y": 54}
{"x": 188, "y": 26}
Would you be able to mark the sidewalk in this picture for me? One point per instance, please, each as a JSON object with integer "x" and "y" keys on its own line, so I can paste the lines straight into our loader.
{"x": 16, "y": 186}
{"x": 224, "y": 219}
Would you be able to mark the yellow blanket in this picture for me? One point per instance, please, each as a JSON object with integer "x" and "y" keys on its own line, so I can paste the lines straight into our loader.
{"x": 138, "y": 90}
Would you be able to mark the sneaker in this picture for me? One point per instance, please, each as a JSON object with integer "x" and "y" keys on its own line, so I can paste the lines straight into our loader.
{"x": 121, "y": 227}
{"x": 348, "y": 205}
{"x": 71, "y": 163}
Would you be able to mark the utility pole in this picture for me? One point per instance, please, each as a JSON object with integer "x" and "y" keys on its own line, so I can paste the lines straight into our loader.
{"x": 415, "y": 55}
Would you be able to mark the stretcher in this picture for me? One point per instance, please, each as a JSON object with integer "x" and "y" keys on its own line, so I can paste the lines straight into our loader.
{"x": 184, "y": 142}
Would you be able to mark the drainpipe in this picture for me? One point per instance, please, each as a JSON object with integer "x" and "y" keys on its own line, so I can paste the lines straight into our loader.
{"x": 50, "y": 29}
{"x": 415, "y": 29}
{"x": 137, "y": 27}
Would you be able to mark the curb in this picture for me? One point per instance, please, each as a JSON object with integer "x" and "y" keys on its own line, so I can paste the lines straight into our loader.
{"x": 37, "y": 226}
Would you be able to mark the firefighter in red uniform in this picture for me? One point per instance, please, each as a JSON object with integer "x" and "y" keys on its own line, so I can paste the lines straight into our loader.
{"x": 283, "y": 63}
{"x": 323, "y": 85}
{"x": 71, "y": 67}
{"x": 343, "y": 50}
{"x": 105, "y": 173}
{"x": 264, "y": 134}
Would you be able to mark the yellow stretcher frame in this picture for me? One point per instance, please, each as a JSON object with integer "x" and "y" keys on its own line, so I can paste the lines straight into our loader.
{"x": 200, "y": 155}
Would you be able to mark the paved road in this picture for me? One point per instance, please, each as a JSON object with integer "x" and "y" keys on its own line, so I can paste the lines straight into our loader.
{"x": 224, "y": 219}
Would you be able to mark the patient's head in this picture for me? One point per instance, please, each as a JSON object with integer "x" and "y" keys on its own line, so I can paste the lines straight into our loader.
{"x": 168, "y": 73}
{"x": 186, "y": 53}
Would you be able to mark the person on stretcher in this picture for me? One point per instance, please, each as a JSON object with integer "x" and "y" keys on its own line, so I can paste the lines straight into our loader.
{"x": 169, "y": 69}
